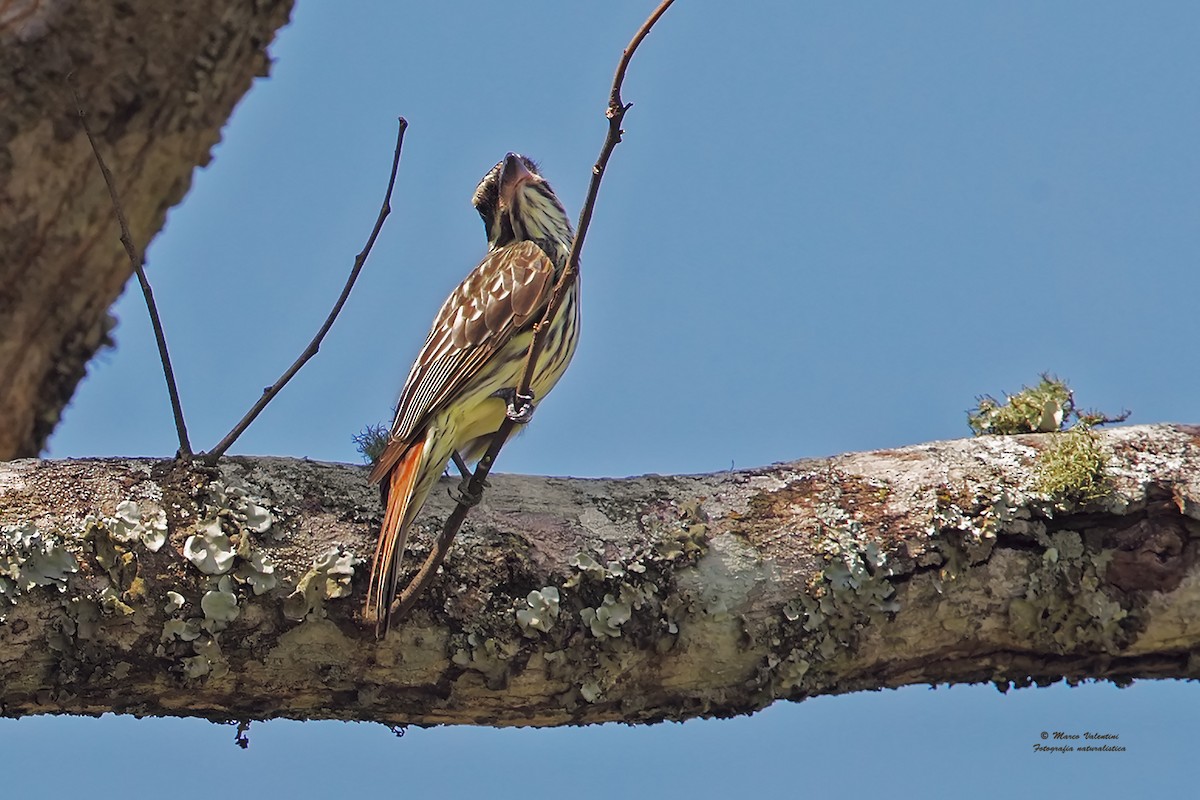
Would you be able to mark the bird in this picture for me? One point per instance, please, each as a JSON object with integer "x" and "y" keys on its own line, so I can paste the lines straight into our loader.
{"x": 464, "y": 380}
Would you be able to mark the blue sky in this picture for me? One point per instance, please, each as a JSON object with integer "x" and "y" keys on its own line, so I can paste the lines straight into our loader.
{"x": 830, "y": 227}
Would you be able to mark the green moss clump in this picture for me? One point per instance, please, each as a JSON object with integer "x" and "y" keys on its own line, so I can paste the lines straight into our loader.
{"x": 371, "y": 441}
{"x": 1073, "y": 468}
{"x": 1048, "y": 407}
{"x": 1038, "y": 409}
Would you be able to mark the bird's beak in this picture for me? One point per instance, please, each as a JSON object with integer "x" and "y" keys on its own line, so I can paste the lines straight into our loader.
{"x": 512, "y": 175}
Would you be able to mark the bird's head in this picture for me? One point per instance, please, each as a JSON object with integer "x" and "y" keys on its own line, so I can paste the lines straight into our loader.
{"x": 516, "y": 203}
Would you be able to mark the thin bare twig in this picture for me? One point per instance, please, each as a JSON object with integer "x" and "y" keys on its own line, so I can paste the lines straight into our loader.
{"x": 615, "y": 113}
{"x": 185, "y": 447}
{"x": 269, "y": 393}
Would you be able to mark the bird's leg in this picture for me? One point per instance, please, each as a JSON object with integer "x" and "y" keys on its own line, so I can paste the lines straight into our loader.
{"x": 519, "y": 407}
{"x": 461, "y": 463}
{"x": 463, "y": 493}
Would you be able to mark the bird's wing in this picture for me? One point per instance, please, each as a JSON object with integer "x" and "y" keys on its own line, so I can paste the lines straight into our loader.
{"x": 496, "y": 300}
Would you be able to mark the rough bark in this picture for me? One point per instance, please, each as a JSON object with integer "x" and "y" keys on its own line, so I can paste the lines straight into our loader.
{"x": 677, "y": 596}
{"x": 158, "y": 81}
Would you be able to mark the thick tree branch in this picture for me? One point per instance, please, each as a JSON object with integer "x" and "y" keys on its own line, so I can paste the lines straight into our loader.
{"x": 590, "y": 600}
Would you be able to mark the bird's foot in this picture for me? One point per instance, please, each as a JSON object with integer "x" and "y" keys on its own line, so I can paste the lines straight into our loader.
{"x": 463, "y": 494}
{"x": 518, "y": 407}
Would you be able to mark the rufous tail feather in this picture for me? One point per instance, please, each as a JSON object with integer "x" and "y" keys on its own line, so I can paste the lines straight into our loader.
{"x": 385, "y": 569}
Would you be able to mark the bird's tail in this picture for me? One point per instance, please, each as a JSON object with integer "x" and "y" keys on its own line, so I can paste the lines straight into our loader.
{"x": 385, "y": 569}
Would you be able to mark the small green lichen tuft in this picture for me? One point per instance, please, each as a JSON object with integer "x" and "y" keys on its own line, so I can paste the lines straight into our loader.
{"x": 258, "y": 571}
{"x": 209, "y": 548}
{"x": 220, "y": 606}
{"x": 588, "y": 569}
{"x": 371, "y": 441}
{"x": 146, "y": 523}
{"x": 1073, "y": 468}
{"x": 541, "y": 612}
{"x": 605, "y": 620}
{"x": 230, "y": 498}
{"x": 208, "y": 660}
{"x": 175, "y": 601}
{"x": 328, "y": 578}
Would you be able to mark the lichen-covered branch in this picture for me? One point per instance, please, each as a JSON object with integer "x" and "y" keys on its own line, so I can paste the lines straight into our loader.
{"x": 158, "y": 81}
{"x": 151, "y": 587}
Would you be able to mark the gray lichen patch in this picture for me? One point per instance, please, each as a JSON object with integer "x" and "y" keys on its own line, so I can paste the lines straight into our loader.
{"x": 175, "y": 601}
{"x": 230, "y": 518}
{"x": 619, "y": 604}
{"x": 209, "y": 548}
{"x": 841, "y": 529}
{"x": 606, "y": 619}
{"x": 328, "y": 579}
{"x": 30, "y": 557}
{"x": 783, "y": 520}
{"x": 231, "y": 498}
{"x": 220, "y": 605}
{"x": 186, "y": 630}
{"x": 853, "y": 591}
{"x": 208, "y": 661}
{"x": 608, "y": 597}
{"x": 116, "y": 541}
{"x": 492, "y": 657}
{"x": 540, "y": 612}
{"x": 964, "y": 528}
{"x": 1066, "y": 605}
{"x": 145, "y": 522}
{"x": 258, "y": 571}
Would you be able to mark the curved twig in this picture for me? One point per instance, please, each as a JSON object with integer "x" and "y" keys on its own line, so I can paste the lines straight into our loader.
{"x": 185, "y": 447}
{"x": 269, "y": 393}
{"x": 615, "y": 113}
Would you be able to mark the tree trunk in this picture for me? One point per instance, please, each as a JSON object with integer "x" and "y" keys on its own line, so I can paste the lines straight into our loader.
{"x": 573, "y": 601}
{"x": 158, "y": 81}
